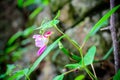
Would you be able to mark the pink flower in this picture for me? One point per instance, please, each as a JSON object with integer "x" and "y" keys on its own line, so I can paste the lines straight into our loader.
{"x": 41, "y": 41}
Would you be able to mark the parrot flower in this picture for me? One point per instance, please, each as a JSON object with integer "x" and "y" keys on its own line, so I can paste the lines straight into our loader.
{"x": 41, "y": 41}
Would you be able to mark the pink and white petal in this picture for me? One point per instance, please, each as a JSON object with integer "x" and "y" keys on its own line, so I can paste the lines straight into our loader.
{"x": 41, "y": 50}
{"x": 42, "y": 42}
{"x": 37, "y": 36}
{"x": 48, "y": 33}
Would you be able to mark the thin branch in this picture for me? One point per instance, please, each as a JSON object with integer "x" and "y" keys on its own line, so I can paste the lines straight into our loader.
{"x": 114, "y": 37}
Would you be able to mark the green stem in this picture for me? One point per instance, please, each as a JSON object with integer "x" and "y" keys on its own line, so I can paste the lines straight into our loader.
{"x": 68, "y": 38}
{"x": 69, "y": 71}
{"x": 84, "y": 66}
{"x": 80, "y": 51}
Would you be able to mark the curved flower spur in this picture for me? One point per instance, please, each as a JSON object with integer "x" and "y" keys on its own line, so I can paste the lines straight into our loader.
{"x": 41, "y": 41}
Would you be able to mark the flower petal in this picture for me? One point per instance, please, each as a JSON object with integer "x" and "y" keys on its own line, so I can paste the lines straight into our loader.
{"x": 37, "y": 36}
{"x": 41, "y": 50}
{"x": 41, "y": 42}
{"x": 48, "y": 33}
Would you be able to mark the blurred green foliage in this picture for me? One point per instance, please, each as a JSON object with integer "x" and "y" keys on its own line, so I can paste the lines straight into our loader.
{"x": 88, "y": 59}
{"x": 12, "y": 74}
{"x": 14, "y": 51}
{"x": 25, "y": 3}
{"x": 40, "y": 4}
{"x": 59, "y": 77}
{"x": 101, "y": 23}
{"x": 117, "y": 75}
{"x": 15, "y": 45}
{"x": 80, "y": 77}
{"x": 14, "y": 48}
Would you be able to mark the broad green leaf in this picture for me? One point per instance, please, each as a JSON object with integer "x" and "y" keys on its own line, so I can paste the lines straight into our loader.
{"x": 101, "y": 22}
{"x": 89, "y": 57}
{"x": 35, "y": 12}
{"x": 59, "y": 77}
{"x": 44, "y": 54}
{"x": 20, "y": 3}
{"x": 80, "y": 77}
{"x": 48, "y": 24}
{"x": 18, "y": 75}
{"x": 14, "y": 37}
{"x": 73, "y": 66}
{"x": 117, "y": 76}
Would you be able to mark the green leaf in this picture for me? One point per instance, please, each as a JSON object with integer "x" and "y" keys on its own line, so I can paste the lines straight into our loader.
{"x": 48, "y": 24}
{"x": 11, "y": 48}
{"x": 28, "y": 3}
{"x": 89, "y": 57}
{"x": 10, "y": 67}
{"x": 45, "y": 2}
{"x": 101, "y": 22}
{"x": 28, "y": 31}
{"x": 75, "y": 57}
{"x": 44, "y": 54}
{"x": 20, "y": 3}
{"x": 117, "y": 76}
{"x": 17, "y": 54}
{"x": 14, "y": 37}
{"x": 35, "y": 12}
{"x": 19, "y": 74}
{"x": 73, "y": 66}
{"x": 59, "y": 77}
{"x": 108, "y": 53}
{"x": 97, "y": 27}
{"x": 66, "y": 52}
{"x": 80, "y": 77}
{"x": 58, "y": 14}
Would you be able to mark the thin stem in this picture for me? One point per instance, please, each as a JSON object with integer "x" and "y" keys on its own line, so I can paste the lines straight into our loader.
{"x": 68, "y": 38}
{"x": 83, "y": 44}
{"x": 80, "y": 51}
{"x": 114, "y": 37}
{"x": 70, "y": 71}
{"x": 27, "y": 78}
{"x": 93, "y": 70}
{"x": 84, "y": 66}
{"x": 90, "y": 74}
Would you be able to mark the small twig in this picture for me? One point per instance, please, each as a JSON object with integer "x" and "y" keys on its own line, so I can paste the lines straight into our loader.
{"x": 114, "y": 37}
{"x": 105, "y": 28}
